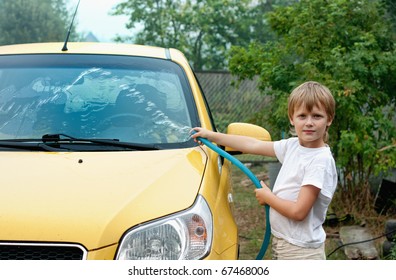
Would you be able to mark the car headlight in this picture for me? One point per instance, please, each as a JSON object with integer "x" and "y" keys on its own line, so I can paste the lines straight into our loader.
{"x": 183, "y": 236}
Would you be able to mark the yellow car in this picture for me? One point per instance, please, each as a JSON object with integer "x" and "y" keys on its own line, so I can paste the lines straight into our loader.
{"x": 96, "y": 159}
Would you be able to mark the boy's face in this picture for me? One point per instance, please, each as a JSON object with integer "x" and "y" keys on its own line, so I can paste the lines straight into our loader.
{"x": 310, "y": 126}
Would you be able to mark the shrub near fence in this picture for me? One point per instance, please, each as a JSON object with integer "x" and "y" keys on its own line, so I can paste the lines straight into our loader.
{"x": 228, "y": 102}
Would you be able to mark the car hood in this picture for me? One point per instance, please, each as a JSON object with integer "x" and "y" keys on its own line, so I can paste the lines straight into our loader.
{"x": 93, "y": 198}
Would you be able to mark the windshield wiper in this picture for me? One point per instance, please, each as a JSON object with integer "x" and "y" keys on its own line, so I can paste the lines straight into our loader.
{"x": 28, "y": 144}
{"x": 59, "y": 142}
{"x": 64, "y": 138}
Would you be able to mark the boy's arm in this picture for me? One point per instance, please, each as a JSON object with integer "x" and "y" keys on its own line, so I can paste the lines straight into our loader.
{"x": 295, "y": 210}
{"x": 240, "y": 143}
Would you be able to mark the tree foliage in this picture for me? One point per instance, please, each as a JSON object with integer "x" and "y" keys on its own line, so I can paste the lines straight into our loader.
{"x": 390, "y": 6}
{"x": 26, "y": 21}
{"x": 348, "y": 46}
{"x": 203, "y": 30}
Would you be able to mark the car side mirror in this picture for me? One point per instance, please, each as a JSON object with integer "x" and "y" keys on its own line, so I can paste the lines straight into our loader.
{"x": 247, "y": 129}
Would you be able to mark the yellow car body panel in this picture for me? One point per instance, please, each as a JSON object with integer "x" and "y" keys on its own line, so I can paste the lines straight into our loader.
{"x": 63, "y": 197}
{"x": 84, "y": 48}
{"x": 69, "y": 197}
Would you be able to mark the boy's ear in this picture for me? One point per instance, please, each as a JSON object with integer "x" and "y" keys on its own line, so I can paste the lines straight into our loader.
{"x": 291, "y": 122}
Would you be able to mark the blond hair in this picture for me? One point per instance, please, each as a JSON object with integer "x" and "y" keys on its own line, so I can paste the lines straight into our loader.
{"x": 310, "y": 94}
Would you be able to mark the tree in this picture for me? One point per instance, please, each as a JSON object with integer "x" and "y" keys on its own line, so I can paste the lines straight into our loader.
{"x": 348, "y": 46}
{"x": 391, "y": 11}
{"x": 203, "y": 30}
{"x": 26, "y": 21}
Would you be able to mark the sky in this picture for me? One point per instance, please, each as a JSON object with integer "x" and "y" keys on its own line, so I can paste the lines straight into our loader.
{"x": 93, "y": 16}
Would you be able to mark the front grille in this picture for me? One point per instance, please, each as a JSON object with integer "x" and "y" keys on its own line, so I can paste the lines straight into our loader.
{"x": 32, "y": 251}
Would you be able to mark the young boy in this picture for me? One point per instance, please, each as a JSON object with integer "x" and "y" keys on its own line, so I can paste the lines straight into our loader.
{"x": 307, "y": 180}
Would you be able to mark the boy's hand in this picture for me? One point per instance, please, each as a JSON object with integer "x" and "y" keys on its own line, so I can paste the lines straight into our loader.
{"x": 263, "y": 193}
{"x": 194, "y": 134}
{"x": 199, "y": 132}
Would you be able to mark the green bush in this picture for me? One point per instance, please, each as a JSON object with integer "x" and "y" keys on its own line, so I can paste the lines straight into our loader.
{"x": 348, "y": 46}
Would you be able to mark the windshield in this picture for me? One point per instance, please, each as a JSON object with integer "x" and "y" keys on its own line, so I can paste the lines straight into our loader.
{"x": 132, "y": 99}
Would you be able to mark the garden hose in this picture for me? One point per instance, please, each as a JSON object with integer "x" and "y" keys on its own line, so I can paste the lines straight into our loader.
{"x": 255, "y": 181}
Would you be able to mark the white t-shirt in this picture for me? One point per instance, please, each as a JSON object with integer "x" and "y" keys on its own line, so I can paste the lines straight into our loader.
{"x": 303, "y": 166}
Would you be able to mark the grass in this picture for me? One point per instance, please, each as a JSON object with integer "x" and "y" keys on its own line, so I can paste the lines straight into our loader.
{"x": 250, "y": 218}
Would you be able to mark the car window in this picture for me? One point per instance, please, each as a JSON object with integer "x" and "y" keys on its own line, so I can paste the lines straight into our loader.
{"x": 133, "y": 99}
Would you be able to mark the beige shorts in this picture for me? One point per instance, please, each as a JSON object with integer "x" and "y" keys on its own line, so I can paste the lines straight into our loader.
{"x": 283, "y": 250}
